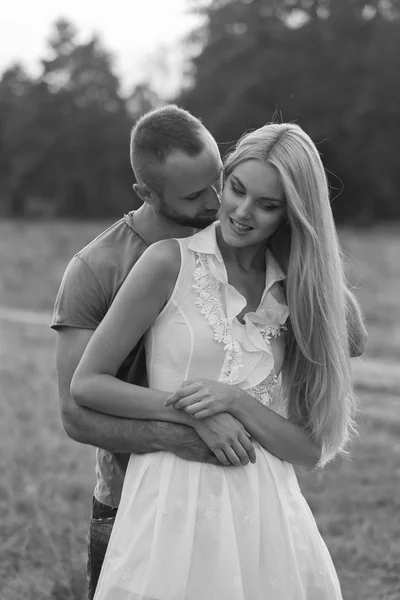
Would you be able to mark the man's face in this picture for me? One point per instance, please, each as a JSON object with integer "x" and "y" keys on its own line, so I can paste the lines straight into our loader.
{"x": 192, "y": 186}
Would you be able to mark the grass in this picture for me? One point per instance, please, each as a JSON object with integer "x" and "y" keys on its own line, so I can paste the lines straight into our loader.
{"x": 46, "y": 480}
{"x": 373, "y": 268}
{"x": 33, "y": 257}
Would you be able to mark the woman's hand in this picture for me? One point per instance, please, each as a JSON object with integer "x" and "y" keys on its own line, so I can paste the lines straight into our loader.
{"x": 209, "y": 402}
{"x": 227, "y": 439}
{"x": 203, "y": 398}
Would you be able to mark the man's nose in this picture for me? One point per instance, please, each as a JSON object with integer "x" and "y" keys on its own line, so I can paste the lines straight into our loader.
{"x": 212, "y": 199}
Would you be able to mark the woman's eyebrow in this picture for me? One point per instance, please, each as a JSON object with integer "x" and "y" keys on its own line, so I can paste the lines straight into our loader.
{"x": 268, "y": 198}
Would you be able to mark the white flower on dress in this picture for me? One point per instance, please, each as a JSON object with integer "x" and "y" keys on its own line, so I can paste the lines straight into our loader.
{"x": 251, "y": 518}
{"x": 237, "y": 582}
{"x": 323, "y": 570}
{"x": 161, "y": 510}
{"x": 273, "y": 582}
{"x": 126, "y": 574}
{"x": 210, "y": 512}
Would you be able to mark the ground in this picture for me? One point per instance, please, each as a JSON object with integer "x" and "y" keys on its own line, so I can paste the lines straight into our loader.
{"x": 46, "y": 480}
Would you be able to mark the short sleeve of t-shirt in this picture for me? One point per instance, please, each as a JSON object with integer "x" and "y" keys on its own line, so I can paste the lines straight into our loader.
{"x": 81, "y": 301}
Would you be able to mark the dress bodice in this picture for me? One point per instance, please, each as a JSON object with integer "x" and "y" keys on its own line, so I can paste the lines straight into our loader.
{"x": 198, "y": 335}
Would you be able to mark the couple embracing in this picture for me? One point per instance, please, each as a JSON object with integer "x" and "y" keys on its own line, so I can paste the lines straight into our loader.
{"x": 204, "y": 358}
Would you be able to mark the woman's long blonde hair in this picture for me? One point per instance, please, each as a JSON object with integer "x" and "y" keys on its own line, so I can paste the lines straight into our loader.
{"x": 316, "y": 374}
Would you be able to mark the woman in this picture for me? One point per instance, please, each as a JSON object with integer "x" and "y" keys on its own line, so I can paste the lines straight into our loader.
{"x": 215, "y": 310}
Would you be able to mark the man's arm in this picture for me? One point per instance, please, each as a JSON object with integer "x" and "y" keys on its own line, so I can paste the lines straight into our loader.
{"x": 284, "y": 439}
{"x": 113, "y": 433}
{"x": 355, "y": 326}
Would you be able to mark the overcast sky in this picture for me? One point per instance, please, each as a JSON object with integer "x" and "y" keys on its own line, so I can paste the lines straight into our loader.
{"x": 134, "y": 30}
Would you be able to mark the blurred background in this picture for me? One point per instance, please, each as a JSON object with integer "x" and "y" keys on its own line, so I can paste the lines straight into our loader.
{"x": 74, "y": 77}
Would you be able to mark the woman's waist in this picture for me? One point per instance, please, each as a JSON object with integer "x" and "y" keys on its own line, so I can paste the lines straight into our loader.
{"x": 163, "y": 459}
{"x": 165, "y": 479}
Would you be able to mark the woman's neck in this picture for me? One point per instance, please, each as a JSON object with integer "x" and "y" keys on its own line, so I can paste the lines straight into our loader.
{"x": 249, "y": 258}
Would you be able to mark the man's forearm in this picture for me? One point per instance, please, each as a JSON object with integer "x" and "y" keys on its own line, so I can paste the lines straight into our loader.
{"x": 128, "y": 436}
{"x": 116, "y": 434}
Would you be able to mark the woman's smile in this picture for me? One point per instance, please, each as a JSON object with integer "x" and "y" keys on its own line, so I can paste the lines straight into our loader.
{"x": 239, "y": 228}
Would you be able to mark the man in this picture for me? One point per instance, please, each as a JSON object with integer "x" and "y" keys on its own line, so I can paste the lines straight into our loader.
{"x": 178, "y": 170}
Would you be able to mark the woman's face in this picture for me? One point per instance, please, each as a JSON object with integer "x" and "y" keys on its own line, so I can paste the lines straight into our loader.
{"x": 253, "y": 204}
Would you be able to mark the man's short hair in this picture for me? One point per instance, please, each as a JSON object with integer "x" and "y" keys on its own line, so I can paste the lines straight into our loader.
{"x": 156, "y": 134}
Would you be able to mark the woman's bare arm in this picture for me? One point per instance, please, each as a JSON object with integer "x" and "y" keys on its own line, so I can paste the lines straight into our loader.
{"x": 135, "y": 308}
{"x": 286, "y": 440}
{"x": 111, "y": 433}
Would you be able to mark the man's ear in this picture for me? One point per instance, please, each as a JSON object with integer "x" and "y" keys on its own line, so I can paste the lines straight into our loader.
{"x": 145, "y": 193}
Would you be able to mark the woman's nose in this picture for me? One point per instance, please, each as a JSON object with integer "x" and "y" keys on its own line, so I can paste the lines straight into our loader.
{"x": 243, "y": 209}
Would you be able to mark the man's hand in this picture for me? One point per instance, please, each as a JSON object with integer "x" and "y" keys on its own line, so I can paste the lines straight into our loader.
{"x": 203, "y": 398}
{"x": 183, "y": 441}
{"x": 227, "y": 439}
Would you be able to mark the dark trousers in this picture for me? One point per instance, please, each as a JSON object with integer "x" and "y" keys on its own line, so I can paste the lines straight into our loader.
{"x": 101, "y": 525}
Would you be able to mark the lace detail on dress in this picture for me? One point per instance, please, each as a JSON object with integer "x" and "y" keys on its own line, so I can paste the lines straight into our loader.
{"x": 269, "y": 331}
{"x": 210, "y": 302}
{"x": 262, "y": 391}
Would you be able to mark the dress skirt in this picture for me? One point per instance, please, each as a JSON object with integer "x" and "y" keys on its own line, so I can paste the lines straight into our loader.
{"x": 192, "y": 531}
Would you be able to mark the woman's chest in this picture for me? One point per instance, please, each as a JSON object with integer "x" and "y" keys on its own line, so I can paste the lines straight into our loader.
{"x": 251, "y": 287}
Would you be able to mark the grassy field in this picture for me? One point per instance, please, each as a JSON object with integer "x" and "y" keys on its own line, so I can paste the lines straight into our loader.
{"x": 46, "y": 480}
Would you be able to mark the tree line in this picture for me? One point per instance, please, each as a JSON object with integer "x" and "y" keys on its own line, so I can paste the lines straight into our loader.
{"x": 333, "y": 66}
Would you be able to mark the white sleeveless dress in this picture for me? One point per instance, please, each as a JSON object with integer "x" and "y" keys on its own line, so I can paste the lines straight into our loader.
{"x": 191, "y": 531}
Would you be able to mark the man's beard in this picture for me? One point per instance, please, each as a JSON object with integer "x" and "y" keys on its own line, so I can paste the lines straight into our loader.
{"x": 200, "y": 221}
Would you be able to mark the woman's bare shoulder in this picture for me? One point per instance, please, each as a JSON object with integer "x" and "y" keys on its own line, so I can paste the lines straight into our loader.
{"x": 165, "y": 250}
{"x": 164, "y": 256}
{"x": 157, "y": 268}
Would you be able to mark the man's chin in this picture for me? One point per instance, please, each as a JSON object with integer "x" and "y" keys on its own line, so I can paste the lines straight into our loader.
{"x": 203, "y": 222}
{"x": 197, "y": 222}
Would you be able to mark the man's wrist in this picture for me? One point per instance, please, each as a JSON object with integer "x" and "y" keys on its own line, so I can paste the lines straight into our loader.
{"x": 169, "y": 436}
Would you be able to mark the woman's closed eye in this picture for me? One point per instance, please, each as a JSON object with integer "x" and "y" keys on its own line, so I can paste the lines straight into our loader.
{"x": 267, "y": 205}
{"x": 237, "y": 190}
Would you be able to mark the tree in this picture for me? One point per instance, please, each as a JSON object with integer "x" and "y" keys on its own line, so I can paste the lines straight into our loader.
{"x": 327, "y": 64}
{"x": 142, "y": 99}
{"x": 22, "y": 140}
{"x": 65, "y": 134}
{"x": 90, "y": 159}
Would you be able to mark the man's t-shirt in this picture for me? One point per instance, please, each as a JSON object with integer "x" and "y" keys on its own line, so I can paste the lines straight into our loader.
{"x": 89, "y": 286}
